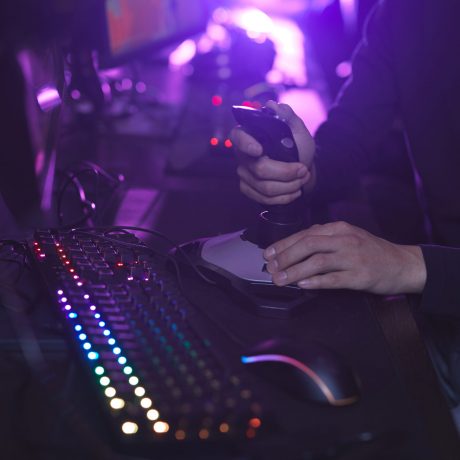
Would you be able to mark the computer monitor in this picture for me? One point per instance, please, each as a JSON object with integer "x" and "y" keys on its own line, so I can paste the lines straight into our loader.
{"x": 135, "y": 27}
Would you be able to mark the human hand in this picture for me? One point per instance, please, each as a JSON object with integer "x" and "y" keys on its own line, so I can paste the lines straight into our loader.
{"x": 340, "y": 256}
{"x": 272, "y": 182}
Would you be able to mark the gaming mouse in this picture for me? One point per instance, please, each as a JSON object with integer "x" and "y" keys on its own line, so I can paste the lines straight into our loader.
{"x": 307, "y": 371}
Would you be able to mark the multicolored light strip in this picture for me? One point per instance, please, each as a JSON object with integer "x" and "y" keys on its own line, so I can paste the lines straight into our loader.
{"x": 88, "y": 348}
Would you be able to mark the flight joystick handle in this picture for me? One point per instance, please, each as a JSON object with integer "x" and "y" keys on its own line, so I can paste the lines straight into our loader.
{"x": 277, "y": 141}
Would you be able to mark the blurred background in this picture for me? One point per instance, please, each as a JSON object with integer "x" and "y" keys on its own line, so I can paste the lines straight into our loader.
{"x": 118, "y": 111}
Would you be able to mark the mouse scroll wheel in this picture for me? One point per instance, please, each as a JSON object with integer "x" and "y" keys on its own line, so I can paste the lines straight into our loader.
{"x": 287, "y": 142}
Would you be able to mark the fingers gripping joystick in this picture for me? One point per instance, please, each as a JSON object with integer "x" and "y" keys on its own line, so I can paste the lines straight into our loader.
{"x": 275, "y": 136}
{"x": 235, "y": 260}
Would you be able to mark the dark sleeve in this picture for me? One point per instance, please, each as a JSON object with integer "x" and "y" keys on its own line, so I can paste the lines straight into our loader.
{"x": 364, "y": 112}
{"x": 441, "y": 295}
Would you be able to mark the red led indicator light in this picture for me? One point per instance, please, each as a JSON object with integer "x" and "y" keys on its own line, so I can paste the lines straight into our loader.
{"x": 255, "y": 422}
{"x": 214, "y": 141}
{"x": 216, "y": 100}
{"x": 120, "y": 264}
{"x": 228, "y": 143}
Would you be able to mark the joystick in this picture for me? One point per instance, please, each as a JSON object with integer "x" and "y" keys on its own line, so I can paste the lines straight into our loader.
{"x": 275, "y": 136}
{"x": 235, "y": 260}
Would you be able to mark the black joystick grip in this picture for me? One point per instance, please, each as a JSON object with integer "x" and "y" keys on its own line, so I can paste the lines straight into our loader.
{"x": 270, "y": 131}
{"x": 278, "y": 143}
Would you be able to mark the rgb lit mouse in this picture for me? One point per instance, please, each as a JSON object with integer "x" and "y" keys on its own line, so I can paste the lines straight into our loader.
{"x": 308, "y": 371}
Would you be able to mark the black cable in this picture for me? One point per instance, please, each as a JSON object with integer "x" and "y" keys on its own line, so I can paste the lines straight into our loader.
{"x": 74, "y": 178}
{"x": 101, "y": 171}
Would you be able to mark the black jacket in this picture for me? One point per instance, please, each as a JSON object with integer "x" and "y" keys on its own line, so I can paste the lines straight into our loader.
{"x": 407, "y": 68}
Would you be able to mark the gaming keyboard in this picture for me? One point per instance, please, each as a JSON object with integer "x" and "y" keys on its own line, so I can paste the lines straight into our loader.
{"x": 158, "y": 378}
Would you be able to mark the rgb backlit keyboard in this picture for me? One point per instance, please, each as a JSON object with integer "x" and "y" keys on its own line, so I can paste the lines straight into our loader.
{"x": 158, "y": 378}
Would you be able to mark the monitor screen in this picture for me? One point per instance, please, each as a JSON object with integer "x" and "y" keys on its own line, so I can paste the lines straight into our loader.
{"x": 135, "y": 26}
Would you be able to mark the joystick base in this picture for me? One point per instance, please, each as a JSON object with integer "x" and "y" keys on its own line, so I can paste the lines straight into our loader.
{"x": 237, "y": 265}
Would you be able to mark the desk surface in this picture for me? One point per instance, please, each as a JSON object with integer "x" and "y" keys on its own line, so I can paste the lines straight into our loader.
{"x": 342, "y": 321}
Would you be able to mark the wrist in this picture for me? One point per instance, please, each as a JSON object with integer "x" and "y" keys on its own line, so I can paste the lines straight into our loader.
{"x": 414, "y": 275}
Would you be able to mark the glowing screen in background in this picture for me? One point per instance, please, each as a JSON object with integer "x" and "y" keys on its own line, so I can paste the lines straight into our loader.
{"x": 133, "y": 24}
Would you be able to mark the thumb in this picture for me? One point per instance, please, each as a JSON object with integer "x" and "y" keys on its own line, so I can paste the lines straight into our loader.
{"x": 303, "y": 139}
